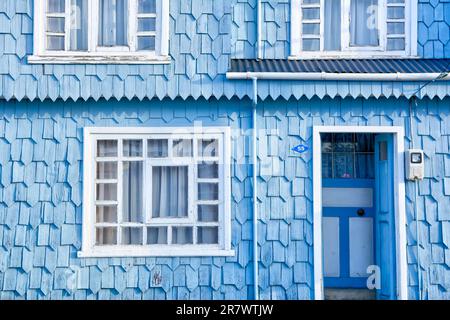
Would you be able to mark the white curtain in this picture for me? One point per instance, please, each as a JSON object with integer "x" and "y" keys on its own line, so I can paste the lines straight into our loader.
{"x": 332, "y": 32}
{"x": 113, "y": 23}
{"x": 170, "y": 192}
{"x": 364, "y": 23}
{"x": 132, "y": 192}
{"x": 78, "y": 25}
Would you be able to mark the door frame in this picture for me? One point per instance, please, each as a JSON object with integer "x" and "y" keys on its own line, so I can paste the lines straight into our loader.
{"x": 399, "y": 202}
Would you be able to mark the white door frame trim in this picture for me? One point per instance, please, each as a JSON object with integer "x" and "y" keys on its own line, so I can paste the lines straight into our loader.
{"x": 399, "y": 202}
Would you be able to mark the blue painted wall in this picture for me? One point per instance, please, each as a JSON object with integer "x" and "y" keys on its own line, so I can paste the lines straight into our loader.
{"x": 204, "y": 35}
{"x": 40, "y": 199}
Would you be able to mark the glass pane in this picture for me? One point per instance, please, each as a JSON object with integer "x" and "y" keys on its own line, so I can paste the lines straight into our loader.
{"x": 55, "y": 43}
{"x": 106, "y": 236}
{"x": 208, "y": 148}
{"x": 208, "y": 235}
{"x": 56, "y": 6}
{"x": 327, "y": 140}
{"x": 170, "y": 192}
{"x": 132, "y": 148}
{"x": 113, "y": 22}
{"x": 157, "y": 235}
{"x": 344, "y": 142}
{"x": 208, "y": 213}
{"x": 79, "y": 25}
{"x": 383, "y": 151}
{"x": 106, "y": 170}
{"x": 208, "y": 170}
{"x": 311, "y": 13}
{"x": 311, "y": 1}
{"x": 182, "y": 235}
{"x": 146, "y": 43}
{"x": 396, "y": 13}
{"x": 146, "y": 24}
{"x": 147, "y": 6}
{"x": 56, "y": 25}
{"x": 396, "y": 44}
{"x": 311, "y": 44}
{"x": 157, "y": 148}
{"x": 327, "y": 166}
{"x": 107, "y": 148}
{"x": 365, "y": 166}
{"x": 208, "y": 191}
{"x": 395, "y": 28}
{"x": 106, "y": 214}
{"x": 332, "y": 25}
{"x": 132, "y": 196}
{"x": 365, "y": 142}
{"x": 343, "y": 165}
{"x": 364, "y": 23}
{"x": 132, "y": 236}
{"x": 311, "y": 28}
{"x": 107, "y": 191}
{"x": 182, "y": 148}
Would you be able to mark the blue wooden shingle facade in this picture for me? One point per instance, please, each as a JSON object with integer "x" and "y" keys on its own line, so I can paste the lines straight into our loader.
{"x": 44, "y": 108}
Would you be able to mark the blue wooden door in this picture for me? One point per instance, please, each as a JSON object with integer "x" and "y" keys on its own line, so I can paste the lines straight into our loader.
{"x": 384, "y": 217}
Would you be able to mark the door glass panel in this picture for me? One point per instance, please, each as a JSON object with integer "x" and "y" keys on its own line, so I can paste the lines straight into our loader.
{"x": 383, "y": 151}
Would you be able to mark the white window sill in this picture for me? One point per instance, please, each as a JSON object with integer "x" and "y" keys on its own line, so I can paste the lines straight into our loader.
{"x": 159, "y": 252}
{"x": 344, "y": 55}
{"x": 107, "y": 59}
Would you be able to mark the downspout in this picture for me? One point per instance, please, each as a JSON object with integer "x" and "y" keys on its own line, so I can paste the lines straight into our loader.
{"x": 255, "y": 190}
{"x": 258, "y": 30}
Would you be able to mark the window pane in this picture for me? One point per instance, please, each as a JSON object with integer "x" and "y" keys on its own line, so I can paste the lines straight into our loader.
{"x": 395, "y": 28}
{"x": 365, "y": 166}
{"x": 182, "y": 235}
{"x": 311, "y": 13}
{"x": 132, "y": 197}
{"x": 208, "y": 235}
{"x": 208, "y": 148}
{"x": 311, "y": 28}
{"x": 56, "y": 25}
{"x": 170, "y": 192}
{"x": 364, "y": 23}
{"x": 78, "y": 25}
{"x": 132, "y": 236}
{"x": 147, "y": 6}
{"x": 396, "y": 13}
{"x": 55, "y": 43}
{"x": 343, "y": 142}
{"x": 113, "y": 22}
{"x": 107, "y": 191}
{"x": 327, "y": 166}
{"x": 182, "y": 148}
{"x": 132, "y": 148}
{"x": 106, "y": 236}
{"x": 106, "y": 170}
{"x": 208, "y": 213}
{"x": 396, "y": 44}
{"x": 208, "y": 191}
{"x": 311, "y": 44}
{"x": 157, "y": 148}
{"x": 106, "y": 214}
{"x": 157, "y": 235}
{"x": 146, "y": 24}
{"x": 327, "y": 140}
{"x": 332, "y": 25}
{"x": 343, "y": 165}
{"x": 365, "y": 142}
{"x": 208, "y": 170}
{"x": 56, "y": 6}
{"x": 146, "y": 43}
{"x": 311, "y": 1}
{"x": 107, "y": 148}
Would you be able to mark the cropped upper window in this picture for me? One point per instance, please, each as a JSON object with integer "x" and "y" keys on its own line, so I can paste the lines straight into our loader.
{"x": 356, "y": 28}
{"x": 156, "y": 192}
{"x": 101, "y": 30}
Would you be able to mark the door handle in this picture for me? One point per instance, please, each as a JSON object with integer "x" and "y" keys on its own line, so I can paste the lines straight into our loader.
{"x": 361, "y": 212}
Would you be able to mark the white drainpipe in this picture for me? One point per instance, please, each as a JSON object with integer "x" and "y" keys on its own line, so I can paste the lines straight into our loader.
{"x": 337, "y": 76}
{"x": 255, "y": 190}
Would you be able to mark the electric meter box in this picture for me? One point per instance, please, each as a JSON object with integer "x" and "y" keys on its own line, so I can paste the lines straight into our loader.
{"x": 415, "y": 164}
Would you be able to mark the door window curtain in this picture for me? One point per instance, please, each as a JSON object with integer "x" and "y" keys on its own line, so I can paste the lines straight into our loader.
{"x": 364, "y": 23}
{"x": 332, "y": 32}
{"x": 78, "y": 25}
{"x": 113, "y": 23}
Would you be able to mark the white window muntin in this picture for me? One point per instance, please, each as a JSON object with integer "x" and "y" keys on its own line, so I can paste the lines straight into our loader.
{"x": 89, "y": 198}
{"x": 409, "y": 35}
{"x": 100, "y": 54}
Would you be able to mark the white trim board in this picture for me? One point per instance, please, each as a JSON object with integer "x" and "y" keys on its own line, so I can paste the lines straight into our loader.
{"x": 399, "y": 199}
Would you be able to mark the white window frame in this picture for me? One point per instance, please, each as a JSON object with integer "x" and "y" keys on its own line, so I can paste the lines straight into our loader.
{"x": 355, "y": 52}
{"x": 96, "y": 54}
{"x": 223, "y": 248}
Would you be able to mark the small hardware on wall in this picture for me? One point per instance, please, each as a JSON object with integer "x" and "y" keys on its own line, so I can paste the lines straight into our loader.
{"x": 415, "y": 166}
